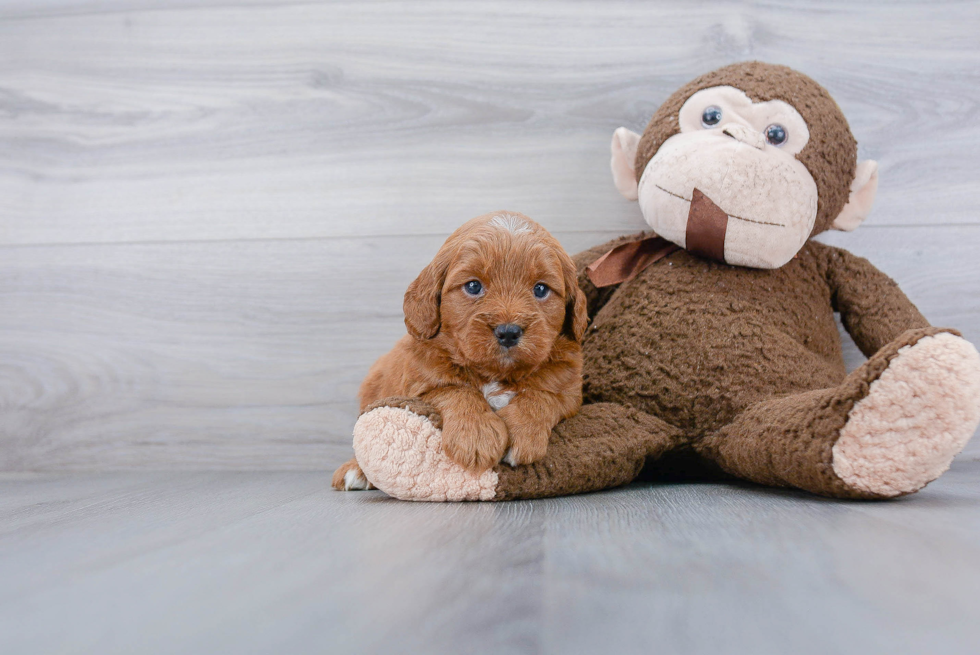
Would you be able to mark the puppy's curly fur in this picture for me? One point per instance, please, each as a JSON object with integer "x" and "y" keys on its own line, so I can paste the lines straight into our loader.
{"x": 496, "y": 402}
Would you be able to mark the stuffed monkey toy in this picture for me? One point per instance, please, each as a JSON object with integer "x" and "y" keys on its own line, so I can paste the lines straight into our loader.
{"x": 713, "y": 345}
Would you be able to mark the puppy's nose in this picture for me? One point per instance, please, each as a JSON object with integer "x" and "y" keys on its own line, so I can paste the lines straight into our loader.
{"x": 508, "y": 334}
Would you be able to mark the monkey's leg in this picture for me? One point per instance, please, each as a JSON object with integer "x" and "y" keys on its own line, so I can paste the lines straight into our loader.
{"x": 398, "y": 444}
{"x": 605, "y": 445}
{"x": 890, "y": 428}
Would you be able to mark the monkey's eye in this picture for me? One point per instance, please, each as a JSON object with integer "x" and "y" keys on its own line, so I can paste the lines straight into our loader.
{"x": 776, "y": 134}
{"x": 473, "y": 288}
{"x": 541, "y": 291}
{"x": 711, "y": 116}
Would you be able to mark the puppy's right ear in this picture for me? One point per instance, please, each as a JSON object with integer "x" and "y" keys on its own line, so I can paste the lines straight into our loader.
{"x": 423, "y": 297}
{"x": 576, "y": 305}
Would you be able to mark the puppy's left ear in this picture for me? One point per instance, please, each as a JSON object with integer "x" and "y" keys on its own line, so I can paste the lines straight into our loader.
{"x": 576, "y": 309}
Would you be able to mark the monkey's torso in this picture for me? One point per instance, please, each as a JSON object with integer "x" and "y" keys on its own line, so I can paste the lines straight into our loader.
{"x": 696, "y": 342}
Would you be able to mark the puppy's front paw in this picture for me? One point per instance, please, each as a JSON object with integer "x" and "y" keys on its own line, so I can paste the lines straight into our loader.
{"x": 350, "y": 477}
{"x": 475, "y": 442}
{"x": 527, "y": 452}
{"x": 528, "y": 439}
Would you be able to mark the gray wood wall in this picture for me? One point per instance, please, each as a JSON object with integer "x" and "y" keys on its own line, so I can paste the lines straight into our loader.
{"x": 209, "y": 211}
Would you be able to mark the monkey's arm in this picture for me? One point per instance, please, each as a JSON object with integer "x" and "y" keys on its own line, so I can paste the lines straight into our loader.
{"x": 873, "y": 309}
{"x": 597, "y": 298}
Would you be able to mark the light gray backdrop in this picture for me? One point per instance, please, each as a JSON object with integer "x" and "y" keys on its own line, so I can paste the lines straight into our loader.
{"x": 209, "y": 211}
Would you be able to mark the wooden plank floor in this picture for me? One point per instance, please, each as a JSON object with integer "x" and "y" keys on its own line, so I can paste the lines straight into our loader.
{"x": 266, "y": 562}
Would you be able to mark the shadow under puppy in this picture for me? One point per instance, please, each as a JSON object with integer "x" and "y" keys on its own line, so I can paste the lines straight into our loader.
{"x": 495, "y": 326}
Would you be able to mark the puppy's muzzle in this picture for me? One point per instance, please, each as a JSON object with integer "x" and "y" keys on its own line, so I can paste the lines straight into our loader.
{"x": 508, "y": 334}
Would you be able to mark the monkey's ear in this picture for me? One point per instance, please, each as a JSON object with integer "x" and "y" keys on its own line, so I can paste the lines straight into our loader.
{"x": 623, "y": 147}
{"x": 863, "y": 190}
{"x": 423, "y": 297}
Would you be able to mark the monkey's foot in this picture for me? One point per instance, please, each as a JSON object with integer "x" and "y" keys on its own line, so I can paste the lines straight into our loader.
{"x": 399, "y": 446}
{"x": 916, "y": 417}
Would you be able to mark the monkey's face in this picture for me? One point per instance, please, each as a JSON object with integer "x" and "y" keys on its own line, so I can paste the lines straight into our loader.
{"x": 744, "y": 164}
{"x": 729, "y": 183}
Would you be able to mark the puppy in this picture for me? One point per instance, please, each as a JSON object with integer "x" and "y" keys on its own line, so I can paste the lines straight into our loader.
{"x": 495, "y": 326}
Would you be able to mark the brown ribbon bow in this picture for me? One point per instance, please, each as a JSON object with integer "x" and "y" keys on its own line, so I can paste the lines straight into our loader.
{"x": 707, "y": 225}
{"x": 623, "y": 263}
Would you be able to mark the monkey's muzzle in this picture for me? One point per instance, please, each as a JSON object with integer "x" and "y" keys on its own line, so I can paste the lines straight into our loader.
{"x": 728, "y": 201}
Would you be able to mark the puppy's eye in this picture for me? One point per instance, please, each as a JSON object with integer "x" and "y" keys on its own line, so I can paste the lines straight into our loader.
{"x": 473, "y": 288}
{"x": 541, "y": 291}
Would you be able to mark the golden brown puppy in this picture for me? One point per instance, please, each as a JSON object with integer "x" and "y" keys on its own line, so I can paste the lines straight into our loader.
{"x": 495, "y": 324}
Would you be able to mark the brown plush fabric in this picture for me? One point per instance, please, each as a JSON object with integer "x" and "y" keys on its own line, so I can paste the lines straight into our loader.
{"x": 743, "y": 367}
{"x": 872, "y": 307}
{"x": 696, "y": 342}
{"x": 830, "y": 155}
{"x": 797, "y": 433}
{"x": 603, "y": 446}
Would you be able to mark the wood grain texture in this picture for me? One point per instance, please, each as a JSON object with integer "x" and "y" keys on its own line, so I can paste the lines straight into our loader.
{"x": 249, "y": 353}
{"x": 136, "y": 121}
{"x": 264, "y": 562}
{"x": 209, "y": 211}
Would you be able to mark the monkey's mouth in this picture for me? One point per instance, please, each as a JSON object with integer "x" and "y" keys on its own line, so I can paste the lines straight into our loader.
{"x": 693, "y": 200}
{"x": 707, "y": 225}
